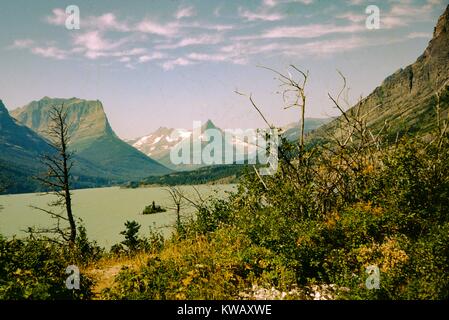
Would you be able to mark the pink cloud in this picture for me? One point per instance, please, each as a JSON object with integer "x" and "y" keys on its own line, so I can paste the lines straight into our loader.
{"x": 153, "y": 56}
{"x": 107, "y": 21}
{"x": 50, "y": 52}
{"x": 21, "y": 44}
{"x": 305, "y": 32}
{"x": 185, "y": 12}
{"x": 260, "y": 15}
{"x": 170, "y": 64}
{"x": 148, "y": 26}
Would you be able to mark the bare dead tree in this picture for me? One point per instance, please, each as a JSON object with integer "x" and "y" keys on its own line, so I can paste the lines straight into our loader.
{"x": 293, "y": 94}
{"x": 57, "y": 177}
{"x": 178, "y": 197}
{"x": 296, "y": 161}
{"x": 199, "y": 202}
{"x": 352, "y": 150}
{"x": 180, "y": 200}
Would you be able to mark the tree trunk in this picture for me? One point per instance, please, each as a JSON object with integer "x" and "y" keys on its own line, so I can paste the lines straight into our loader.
{"x": 67, "y": 196}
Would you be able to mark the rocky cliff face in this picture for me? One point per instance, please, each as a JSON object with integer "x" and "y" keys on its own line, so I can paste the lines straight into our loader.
{"x": 87, "y": 118}
{"x": 405, "y": 100}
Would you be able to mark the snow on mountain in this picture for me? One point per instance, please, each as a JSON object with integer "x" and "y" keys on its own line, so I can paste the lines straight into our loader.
{"x": 159, "y": 143}
{"x": 244, "y": 143}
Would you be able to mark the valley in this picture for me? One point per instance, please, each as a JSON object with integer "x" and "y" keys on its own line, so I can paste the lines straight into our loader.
{"x": 101, "y": 157}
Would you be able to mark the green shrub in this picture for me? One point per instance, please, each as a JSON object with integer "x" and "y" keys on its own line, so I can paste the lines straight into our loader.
{"x": 133, "y": 243}
{"x": 34, "y": 269}
{"x": 153, "y": 208}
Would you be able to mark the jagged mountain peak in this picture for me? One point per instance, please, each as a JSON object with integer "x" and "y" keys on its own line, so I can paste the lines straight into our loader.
{"x": 208, "y": 125}
{"x": 439, "y": 41}
{"x": 442, "y": 24}
{"x": 162, "y": 131}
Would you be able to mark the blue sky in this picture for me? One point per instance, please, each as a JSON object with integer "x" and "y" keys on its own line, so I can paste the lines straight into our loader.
{"x": 169, "y": 63}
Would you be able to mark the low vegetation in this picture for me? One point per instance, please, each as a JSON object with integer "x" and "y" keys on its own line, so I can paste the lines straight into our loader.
{"x": 35, "y": 268}
{"x": 331, "y": 211}
{"x": 270, "y": 236}
{"x": 153, "y": 208}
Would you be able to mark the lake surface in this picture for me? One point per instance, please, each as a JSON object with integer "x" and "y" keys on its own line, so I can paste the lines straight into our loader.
{"x": 103, "y": 211}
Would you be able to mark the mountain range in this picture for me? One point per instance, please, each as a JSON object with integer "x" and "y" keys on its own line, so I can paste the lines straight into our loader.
{"x": 101, "y": 157}
{"x": 159, "y": 143}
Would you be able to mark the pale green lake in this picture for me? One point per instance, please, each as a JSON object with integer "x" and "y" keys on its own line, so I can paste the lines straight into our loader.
{"x": 103, "y": 211}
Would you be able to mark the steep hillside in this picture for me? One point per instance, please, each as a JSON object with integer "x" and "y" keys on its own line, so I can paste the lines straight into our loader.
{"x": 92, "y": 138}
{"x": 19, "y": 148}
{"x": 405, "y": 100}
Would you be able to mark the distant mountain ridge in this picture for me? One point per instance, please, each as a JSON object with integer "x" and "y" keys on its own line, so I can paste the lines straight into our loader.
{"x": 159, "y": 143}
{"x": 87, "y": 118}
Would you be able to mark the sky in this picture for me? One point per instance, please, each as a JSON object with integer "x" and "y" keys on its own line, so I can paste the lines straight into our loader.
{"x": 172, "y": 62}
